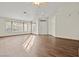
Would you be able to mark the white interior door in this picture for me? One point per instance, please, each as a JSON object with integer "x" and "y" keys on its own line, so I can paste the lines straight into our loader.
{"x": 42, "y": 27}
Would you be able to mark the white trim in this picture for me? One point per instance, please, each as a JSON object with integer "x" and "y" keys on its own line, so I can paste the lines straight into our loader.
{"x": 68, "y": 37}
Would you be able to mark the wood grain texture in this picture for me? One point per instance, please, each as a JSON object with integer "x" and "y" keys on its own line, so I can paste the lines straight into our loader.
{"x": 38, "y": 46}
{"x": 49, "y": 46}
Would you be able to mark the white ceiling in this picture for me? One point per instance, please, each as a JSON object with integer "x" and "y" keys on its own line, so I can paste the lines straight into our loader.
{"x": 16, "y": 9}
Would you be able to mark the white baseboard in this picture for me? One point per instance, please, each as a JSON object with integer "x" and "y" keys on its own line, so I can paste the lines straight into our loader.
{"x": 69, "y": 37}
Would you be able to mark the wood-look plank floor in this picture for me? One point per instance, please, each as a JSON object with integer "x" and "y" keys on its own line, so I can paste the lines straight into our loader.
{"x": 38, "y": 46}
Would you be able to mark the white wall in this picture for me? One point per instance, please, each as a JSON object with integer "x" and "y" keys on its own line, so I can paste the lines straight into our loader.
{"x": 51, "y": 25}
{"x": 67, "y": 22}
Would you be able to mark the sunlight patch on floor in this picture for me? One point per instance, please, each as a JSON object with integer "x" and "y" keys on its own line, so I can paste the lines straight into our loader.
{"x": 29, "y": 42}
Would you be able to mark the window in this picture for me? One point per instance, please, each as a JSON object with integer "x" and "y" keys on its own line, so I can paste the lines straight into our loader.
{"x": 25, "y": 27}
{"x": 8, "y": 26}
{"x": 17, "y": 27}
{"x": 29, "y": 27}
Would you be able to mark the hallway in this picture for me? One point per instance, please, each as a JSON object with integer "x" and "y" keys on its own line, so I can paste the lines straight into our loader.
{"x": 37, "y": 45}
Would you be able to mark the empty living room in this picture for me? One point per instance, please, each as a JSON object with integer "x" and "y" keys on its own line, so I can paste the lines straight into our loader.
{"x": 39, "y": 29}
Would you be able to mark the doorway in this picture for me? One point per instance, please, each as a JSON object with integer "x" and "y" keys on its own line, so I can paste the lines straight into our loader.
{"x": 42, "y": 26}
